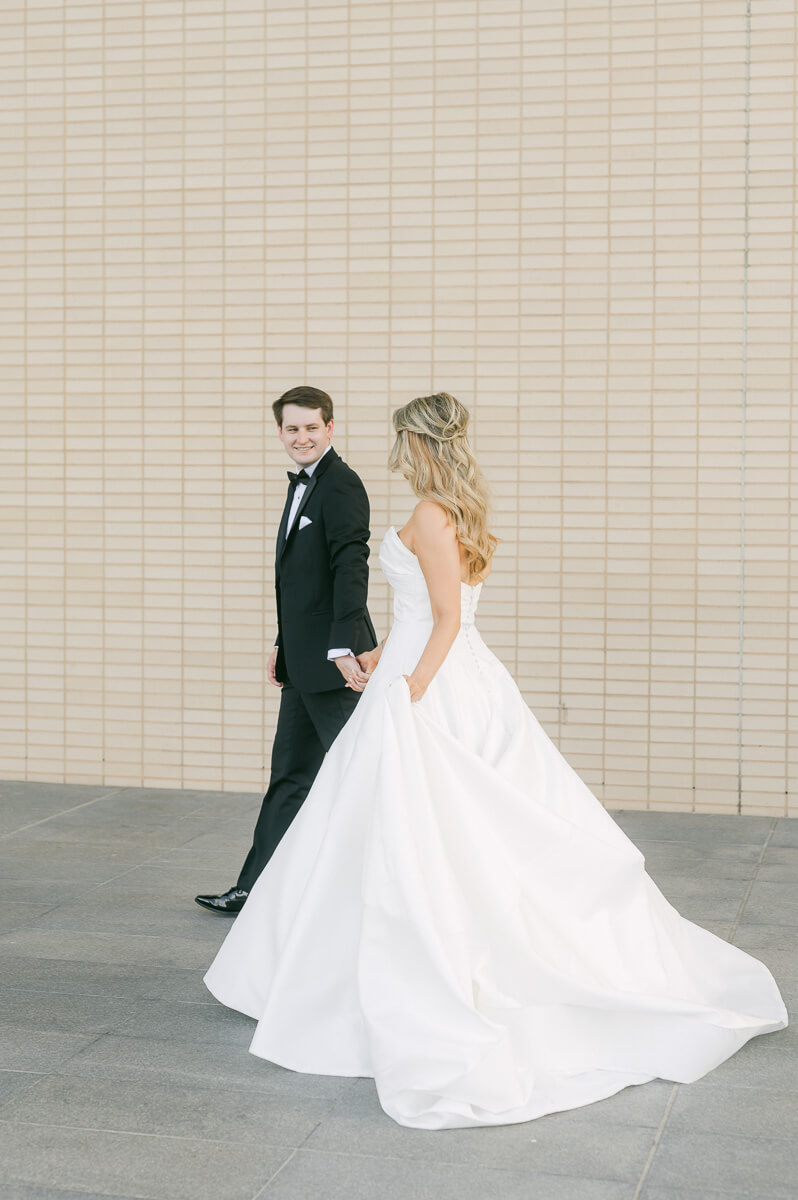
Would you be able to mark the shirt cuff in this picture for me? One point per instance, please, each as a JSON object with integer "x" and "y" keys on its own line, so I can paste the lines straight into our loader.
{"x": 331, "y": 654}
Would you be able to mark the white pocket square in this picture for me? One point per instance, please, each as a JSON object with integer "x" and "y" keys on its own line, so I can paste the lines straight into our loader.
{"x": 303, "y": 521}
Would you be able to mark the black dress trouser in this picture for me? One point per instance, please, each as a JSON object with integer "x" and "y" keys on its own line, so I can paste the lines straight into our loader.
{"x": 307, "y": 725}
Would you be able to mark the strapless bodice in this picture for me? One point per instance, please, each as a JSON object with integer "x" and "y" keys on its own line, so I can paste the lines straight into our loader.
{"x": 410, "y": 596}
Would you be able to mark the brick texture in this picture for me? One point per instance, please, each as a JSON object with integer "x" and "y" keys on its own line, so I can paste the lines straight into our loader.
{"x": 578, "y": 219}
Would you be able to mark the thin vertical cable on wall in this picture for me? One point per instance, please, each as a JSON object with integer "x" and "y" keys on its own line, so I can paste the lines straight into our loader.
{"x": 743, "y": 399}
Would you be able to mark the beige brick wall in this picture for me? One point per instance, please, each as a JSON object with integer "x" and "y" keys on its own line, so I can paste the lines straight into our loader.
{"x": 580, "y": 220}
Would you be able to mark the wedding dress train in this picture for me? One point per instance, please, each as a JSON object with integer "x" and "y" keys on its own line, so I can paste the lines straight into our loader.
{"x": 454, "y": 913}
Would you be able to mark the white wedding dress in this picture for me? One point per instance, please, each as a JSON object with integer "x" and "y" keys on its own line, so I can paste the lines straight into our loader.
{"x": 454, "y": 913}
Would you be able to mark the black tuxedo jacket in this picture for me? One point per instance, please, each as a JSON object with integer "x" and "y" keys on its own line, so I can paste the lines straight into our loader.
{"x": 321, "y": 577}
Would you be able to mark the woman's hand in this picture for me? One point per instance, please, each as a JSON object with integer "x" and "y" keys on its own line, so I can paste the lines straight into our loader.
{"x": 369, "y": 659}
{"x": 417, "y": 689}
{"x": 356, "y": 679}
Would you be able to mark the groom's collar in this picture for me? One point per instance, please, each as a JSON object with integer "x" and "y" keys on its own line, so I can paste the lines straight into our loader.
{"x": 321, "y": 464}
{"x": 311, "y": 470}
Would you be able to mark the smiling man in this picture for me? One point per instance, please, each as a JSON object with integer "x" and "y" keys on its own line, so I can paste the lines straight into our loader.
{"x": 321, "y": 578}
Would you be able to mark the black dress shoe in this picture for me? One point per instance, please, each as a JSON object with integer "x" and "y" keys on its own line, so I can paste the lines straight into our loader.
{"x": 229, "y": 904}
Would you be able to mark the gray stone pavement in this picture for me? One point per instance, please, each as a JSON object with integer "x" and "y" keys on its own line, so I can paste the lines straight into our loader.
{"x": 121, "y": 1076}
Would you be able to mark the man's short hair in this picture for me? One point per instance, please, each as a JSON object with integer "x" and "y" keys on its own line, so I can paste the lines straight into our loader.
{"x": 305, "y": 397}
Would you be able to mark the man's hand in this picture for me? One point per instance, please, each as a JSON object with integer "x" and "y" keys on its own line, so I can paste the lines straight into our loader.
{"x": 270, "y": 667}
{"x": 356, "y": 679}
{"x": 369, "y": 659}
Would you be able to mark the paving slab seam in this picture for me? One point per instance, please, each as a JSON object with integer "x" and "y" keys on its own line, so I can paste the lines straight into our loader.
{"x": 271, "y": 1179}
{"x": 752, "y": 881}
{"x": 529, "y": 1169}
{"x": 81, "y": 1192}
{"x": 146, "y": 862}
{"x": 310, "y": 1132}
{"x": 141, "y": 1133}
{"x": 18, "y": 928}
{"x": 37, "y": 1076}
{"x": 534, "y": 1176}
{"x": 60, "y": 1066}
{"x": 657, "y": 1139}
{"x": 104, "y": 993}
{"x": 62, "y": 813}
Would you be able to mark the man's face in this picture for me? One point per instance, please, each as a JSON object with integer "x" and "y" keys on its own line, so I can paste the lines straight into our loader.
{"x": 304, "y": 434}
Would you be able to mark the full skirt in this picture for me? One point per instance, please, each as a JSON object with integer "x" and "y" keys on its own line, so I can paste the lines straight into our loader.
{"x": 455, "y": 914}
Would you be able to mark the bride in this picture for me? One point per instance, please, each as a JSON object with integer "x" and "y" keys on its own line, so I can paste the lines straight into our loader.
{"x": 452, "y": 911}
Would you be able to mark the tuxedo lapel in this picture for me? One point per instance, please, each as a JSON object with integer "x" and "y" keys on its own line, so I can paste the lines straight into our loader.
{"x": 284, "y": 538}
{"x": 283, "y": 524}
{"x": 305, "y": 497}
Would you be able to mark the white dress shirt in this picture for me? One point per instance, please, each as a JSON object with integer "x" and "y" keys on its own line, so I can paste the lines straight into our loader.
{"x": 299, "y": 492}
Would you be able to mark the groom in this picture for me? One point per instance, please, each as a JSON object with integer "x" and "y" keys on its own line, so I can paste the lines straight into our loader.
{"x": 321, "y": 578}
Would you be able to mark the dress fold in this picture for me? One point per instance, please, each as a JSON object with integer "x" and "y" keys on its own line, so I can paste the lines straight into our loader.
{"x": 455, "y": 914}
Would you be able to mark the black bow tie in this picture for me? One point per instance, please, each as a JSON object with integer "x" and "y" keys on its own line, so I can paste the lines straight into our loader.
{"x": 298, "y": 477}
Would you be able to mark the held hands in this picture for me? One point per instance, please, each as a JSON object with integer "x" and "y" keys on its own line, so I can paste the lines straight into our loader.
{"x": 366, "y": 663}
{"x": 356, "y": 678}
{"x": 369, "y": 659}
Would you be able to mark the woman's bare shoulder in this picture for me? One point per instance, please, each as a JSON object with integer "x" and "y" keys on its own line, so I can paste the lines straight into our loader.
{"x": 429, "y": 517}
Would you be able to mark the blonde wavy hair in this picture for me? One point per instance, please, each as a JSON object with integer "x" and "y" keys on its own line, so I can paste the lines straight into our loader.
{"x": 433, "y": 452}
